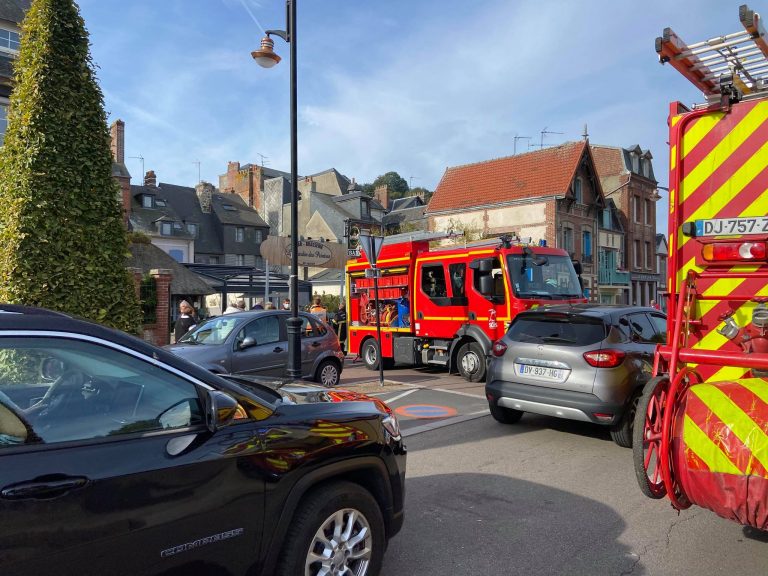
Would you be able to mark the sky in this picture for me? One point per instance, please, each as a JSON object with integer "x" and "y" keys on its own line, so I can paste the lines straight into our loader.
{"x": 413, "y": 86}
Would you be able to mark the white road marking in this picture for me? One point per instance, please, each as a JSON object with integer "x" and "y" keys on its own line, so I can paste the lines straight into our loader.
{"x": 403, "y": 395}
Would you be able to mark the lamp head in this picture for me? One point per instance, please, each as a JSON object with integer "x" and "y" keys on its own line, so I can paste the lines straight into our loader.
{"x": 266, "y": 57}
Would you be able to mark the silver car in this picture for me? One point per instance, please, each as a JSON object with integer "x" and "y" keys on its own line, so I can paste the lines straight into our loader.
{"x": 256, "y": 343}
{"x": 585, "y": 362}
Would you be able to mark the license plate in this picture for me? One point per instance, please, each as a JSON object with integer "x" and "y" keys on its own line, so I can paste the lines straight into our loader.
{"x": 732, "y": 226}
{"x": 539, "y": 372}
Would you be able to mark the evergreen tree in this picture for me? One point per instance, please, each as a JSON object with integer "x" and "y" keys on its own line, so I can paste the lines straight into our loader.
{"x": 62, "y": 241}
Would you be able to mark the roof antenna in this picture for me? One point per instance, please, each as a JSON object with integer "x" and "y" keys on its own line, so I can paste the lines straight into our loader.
{"x": 140, "y": 157}
{"x": 586, "y": 133}
{"x": 516, "y": 138}
{"x": 198, "y": 170}
{"x": 543, "y": 132}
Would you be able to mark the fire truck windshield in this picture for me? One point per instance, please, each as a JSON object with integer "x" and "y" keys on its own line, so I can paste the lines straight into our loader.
{"x": 550, "y": 277}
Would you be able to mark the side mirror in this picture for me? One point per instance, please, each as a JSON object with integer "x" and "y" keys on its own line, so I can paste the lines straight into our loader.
{"x": 540, "y": 261}
{"x": 247, "y": 342}
{"x": 486, "y": 285}
{"x": 220, "y": 410}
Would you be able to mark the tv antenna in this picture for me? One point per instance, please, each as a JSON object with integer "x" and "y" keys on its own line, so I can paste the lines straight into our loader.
{"x": 516, "y": 138}
{"x": 262, "y": 158}
{"x": 410, "y": 181}
{"x": 140, "y": 157}
{"x": 543, "y": 132}
{"x": 198, "y": 170}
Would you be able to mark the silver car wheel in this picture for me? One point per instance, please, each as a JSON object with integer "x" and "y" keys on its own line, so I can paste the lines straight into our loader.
{"x": 342, "y": 546}
{"x": 329, "y": 375}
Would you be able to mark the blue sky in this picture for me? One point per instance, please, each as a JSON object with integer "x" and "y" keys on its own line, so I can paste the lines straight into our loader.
{"x": 413, "y": 86}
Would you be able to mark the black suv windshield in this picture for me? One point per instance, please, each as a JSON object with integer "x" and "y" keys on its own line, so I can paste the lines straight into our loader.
{"x": 550, "y": 277}
{"x": 560, "y": 329}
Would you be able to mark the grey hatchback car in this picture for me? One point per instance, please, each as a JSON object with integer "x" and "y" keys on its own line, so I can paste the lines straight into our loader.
{"x": 584, "y": 362}
{"x": 256, "y": 343}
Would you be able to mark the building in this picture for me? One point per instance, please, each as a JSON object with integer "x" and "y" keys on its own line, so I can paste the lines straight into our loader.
{"x": 11, "y": 15}
{"x": 626, "y": 175}
{"x": 406, "y": 215}
{"x": 612, "y": 276}
{"x": 552, "y": 194}
{"x": 662, "y": 253}
{"x": 248, "y": 182}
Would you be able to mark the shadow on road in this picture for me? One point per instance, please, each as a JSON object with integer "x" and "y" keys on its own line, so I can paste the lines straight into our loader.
{"x": 482, "y": 524}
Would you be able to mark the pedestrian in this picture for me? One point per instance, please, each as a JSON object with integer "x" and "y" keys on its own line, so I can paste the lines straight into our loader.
{"x": 185, "y": 322}
{"x": 269, "y": 306}
{"x": 317, "y": 309}
{"x": 231, "y": 309}
{"x": 340, "y": 325}
{"x": 655, "y": 304}
{"x": 287, "y": 304}
{"x": 258, "y": 305}
{"x": 241, "y": 305}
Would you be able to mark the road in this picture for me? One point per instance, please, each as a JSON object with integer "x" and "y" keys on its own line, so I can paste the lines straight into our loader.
{"x": 545, "y": 496}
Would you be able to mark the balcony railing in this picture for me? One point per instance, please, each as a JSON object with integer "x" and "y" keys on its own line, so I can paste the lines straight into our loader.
{"x": 612, "y": 277}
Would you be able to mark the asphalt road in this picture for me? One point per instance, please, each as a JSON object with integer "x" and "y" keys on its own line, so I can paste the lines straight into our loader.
{"x": 547, "y": 496}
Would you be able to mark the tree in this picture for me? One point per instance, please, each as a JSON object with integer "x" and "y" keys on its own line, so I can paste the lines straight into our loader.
{"x": 62, "y": 240}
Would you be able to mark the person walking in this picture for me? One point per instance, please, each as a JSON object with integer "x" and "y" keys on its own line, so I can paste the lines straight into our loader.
{"x": 269, "y": 306}
{"x": 340, "y": 325}
{"x": 258, "y": 305}
{"x": 287, "y": 304}
{"x": 185, "y": 322}
{"x": 241, "y": 305}
{"x": 317, "y": 309}
{"x": 231, "y": 309}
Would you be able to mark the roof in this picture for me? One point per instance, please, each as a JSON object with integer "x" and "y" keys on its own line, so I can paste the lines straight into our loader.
{"x": 328, "y": 276}
{"x": 329, "y": 181}
{"x": 232, "y": 209}
{"x": 538, "y": 174}
{"x": 414, "y": 215}
{"x": 148, "y": 257}
{"x": 268, "y": 172}
{"x": 613, "y": 161}
{"x": 407, "y": 202}
{"x": 14, "y": 10}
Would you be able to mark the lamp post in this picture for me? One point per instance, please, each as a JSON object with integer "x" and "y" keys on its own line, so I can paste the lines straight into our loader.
{"x": 266, "y": 58}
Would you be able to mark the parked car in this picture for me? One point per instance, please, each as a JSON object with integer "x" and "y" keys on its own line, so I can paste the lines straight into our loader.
{"x": 584, "y": 362}
{"x": 256, "y": 343}
{"x": 118, "y": 457}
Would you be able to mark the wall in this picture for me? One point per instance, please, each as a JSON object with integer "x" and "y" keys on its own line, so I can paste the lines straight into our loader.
{"x": 526, "y": 219}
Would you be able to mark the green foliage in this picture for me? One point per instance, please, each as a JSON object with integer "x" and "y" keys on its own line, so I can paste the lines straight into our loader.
{"x": 62, "y": 240}
{"x": 138, "y": 238}
{"x": 20, "y": 366}
{"x": 398, "y": 187}
{"x": 471, "y": 231}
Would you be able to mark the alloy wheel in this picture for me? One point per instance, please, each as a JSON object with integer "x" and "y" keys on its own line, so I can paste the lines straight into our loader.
{"x": 342, "y": 546}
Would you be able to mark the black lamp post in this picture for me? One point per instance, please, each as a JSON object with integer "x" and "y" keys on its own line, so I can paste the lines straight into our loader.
{"x": 267, "y": 58}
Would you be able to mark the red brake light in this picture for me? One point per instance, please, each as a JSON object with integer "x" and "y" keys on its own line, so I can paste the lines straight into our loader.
{"x": 499, "y": 348}
{"x": 604, "y": 358}
{"x": 734, "y": 251}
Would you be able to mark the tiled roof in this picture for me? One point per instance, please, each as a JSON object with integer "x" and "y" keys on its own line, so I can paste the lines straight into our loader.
{"x": 148, "y": 256}
{"x": 609, "y": 161}
{"x": 537, "y": 174}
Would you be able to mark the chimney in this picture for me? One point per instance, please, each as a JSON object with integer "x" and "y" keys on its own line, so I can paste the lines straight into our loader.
{"x": 204, "y": 192}
{"x": 381, "y": 194}
{"x": 150, "y": 179}
{"x": 117, "y": 134}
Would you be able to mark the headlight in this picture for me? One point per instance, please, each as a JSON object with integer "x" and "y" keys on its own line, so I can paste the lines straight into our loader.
{"x": 392, "y": 426}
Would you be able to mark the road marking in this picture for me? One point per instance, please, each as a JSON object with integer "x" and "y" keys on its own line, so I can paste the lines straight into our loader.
{"x": 454, "y": 392}
{"x": 440, "y": 423}
{"x": 403, "y": 395}
{"x": 425, "y": 411}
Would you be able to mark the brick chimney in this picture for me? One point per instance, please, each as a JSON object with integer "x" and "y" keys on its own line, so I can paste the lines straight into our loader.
{"x": 117, "y": 134}
{"x": 381, "y": 194}
{"x": 204, "y": 192}
{"x": 150, "y": 179}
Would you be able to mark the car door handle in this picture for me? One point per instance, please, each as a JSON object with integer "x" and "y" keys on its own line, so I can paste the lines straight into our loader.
{"x": 43, "y": 489}
{"x": 277, "y": 349}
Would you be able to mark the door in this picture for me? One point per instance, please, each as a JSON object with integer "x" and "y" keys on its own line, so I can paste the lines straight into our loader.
{"x": 268, "y": 356}
{"x": 441, "y": 296}
{"x": 312, "y": 339}
{"x": 111, "y": 470}
{"x": 643, "y": 339}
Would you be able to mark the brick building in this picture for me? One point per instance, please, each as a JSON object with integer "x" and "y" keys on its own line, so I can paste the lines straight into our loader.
{"x": 552, "y": 194}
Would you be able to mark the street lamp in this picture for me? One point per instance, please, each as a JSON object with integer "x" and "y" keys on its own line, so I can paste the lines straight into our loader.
{"x": 267, "y": 58}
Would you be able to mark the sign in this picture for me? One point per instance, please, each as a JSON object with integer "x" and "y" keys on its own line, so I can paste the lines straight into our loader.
{"x": 371, "y": 245}
{"x": 353, "y": 252}
{"x": 311, "y": 253}
{"x": 423, "y": 411}
{"x": 277, "y": 249}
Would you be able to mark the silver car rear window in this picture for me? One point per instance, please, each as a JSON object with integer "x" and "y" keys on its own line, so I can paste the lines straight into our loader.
{"x": 557, "y": 329}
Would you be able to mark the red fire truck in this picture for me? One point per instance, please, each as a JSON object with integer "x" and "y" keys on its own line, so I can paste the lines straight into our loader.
{"x": 446, "y": 306}
{"x": 701, "y": 427}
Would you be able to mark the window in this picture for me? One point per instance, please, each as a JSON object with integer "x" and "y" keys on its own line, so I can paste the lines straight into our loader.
{"x": 458, "y": 275}
{"x": 213, "y": 259}
{"x": 536, "y": 278}
{"x": 648, "y": 255}
{"x": 660, "y": 324}
{"x": 9, "y": 40}
{"x": 495, "y": 291}
{"x": 365, "y": 209}
{"x": 3, "y": 122}
{"x": 308, "y": 328}
{"x": 166, "y": 228}
{"x": 577, "y": 194}
{"x": 586, "y": 245}
{"x": 177, "y": 255}
{"x": 433, "y": 281}
{"x": 192, "y": 229}
{"x": 648, "y": 209}
{"x": 257, "y": 236}
{"x": 240, "y": 259}
{"x": 641, "y": 329}
{"x": 647, "y": 167}
{"x": 67, "y": 390}
{"x": 147, "y": 201}
{"x": 636, "y": 209}
{"x": 557, "y": 329}
{"x": 636, "y": 254}
{"x": 239, "y": 234}
{"x": 160, "y": 203}
{"x": 264, "y": 330}
{"x": 567, "y": 239}
{"x": 635, "y": 163}
{"x": 607, "y": 219}
{"x": 229, "y": 207}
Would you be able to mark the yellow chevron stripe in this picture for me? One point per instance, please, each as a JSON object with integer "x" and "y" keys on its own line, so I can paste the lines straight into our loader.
{"x": 676, "y": 119}
{"x": 758, "y": 387}
{"x": 698, "y": 131}
{"x": 745, "y": 429}
{"x": 672, "y": 201}
{"x": 709, "y": 452}
{"x": 672, "y": 157}
{"x": 722, "y": 151}
{"x": 727, "y": 373}
{"x": 759, "y": 207}
{"x": 690, "y": 265}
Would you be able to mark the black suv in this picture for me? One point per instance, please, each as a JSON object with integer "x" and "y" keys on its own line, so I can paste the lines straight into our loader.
{"x": 117, "y": 457}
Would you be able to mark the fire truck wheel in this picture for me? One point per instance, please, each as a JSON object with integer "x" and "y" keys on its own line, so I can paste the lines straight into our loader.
{"x": 471, "y": 362}
{"x": 646, "y": 440}
{"x": 370, "y": 354}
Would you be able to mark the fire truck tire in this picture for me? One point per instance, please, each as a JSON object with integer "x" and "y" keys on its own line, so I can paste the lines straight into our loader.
{"x": 471, "y": 362}
{"x": 646, "y": 437}
{"x": 369, "y": 352}
{"x": 621, "y": 432}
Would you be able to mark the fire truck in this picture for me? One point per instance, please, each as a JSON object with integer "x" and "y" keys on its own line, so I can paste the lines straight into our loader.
{"x": 701, "y": 426}
{"x": 446, "y": 306}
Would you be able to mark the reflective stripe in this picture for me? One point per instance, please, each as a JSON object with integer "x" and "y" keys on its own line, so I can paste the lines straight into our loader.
{"x": 698, "y": 130}
{"x": 707, "y": 451}
{"x": 757, "y": 386}
{"x": 743, "y": 427}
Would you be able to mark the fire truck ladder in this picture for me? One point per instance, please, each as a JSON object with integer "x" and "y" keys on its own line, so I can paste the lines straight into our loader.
{"x": 725, "y": 68}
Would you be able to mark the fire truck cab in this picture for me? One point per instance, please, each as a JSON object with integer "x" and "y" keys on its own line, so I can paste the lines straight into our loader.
{"x": 446, "y": 306}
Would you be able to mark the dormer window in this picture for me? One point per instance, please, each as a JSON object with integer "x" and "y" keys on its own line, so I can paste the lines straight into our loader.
{"x": 366, "y": 208}
{"x": 9, "y": 40}
{"x": 577, "y": 194}
{"x": 192, "y": 229}
{"x": 229, "y": 207}
{"x": 147, "y": 201}
{"x": 160, "y": 203}
{"x": 635, "y": 163}
{"x": 166, "y": 228}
